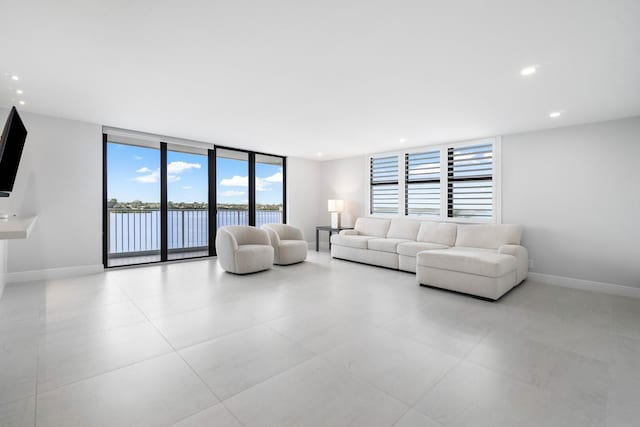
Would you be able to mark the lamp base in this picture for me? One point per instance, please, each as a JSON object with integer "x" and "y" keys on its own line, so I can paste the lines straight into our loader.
{"x": 335, "y": 219}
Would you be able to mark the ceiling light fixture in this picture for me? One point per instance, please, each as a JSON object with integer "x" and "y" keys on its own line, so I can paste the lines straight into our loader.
{"x": 19, "y": 91}
{"x": 14, "y": 77}
{"x": 555, "y": 114}
{"x": 403, "y": 140}
{"x": 319, "y": 154}
{"x": 21, "y": 102}
{"x": 527, "y": 71}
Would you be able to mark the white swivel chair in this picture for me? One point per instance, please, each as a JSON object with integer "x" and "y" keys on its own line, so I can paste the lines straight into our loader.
{"x": 242, "y": 249}
{"x": 288, "y": 243}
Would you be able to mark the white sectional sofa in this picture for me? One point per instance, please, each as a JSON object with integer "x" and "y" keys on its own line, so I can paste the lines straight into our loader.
{"x": 482, "y": 260}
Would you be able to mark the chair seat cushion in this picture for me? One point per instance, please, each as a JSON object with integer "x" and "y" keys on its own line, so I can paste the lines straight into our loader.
{"x": 257, "y": 250}
{"x": 385, "y": 245}
{"x": 252, "y": 258}
{"x": 412, "y": 248}
{"x": 291, "y": 251}
{"x": 471, "y": 261}
{"x": 293, "y": 243}
{"x": 351, "y": 241}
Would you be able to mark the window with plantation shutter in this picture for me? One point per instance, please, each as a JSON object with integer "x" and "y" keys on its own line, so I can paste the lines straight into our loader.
{"x": 383, "y": 180}
{"x": 470, "y": 181}
{"x": 422, "y": 183}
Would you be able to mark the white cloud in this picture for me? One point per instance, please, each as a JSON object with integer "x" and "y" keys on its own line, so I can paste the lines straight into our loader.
{"x": 187, "y": 187}
{"x": 137, "y": 157}
{"x": 174, "y": 169}
{"x": 276, "y": 177}
{"x": 179, "y": 167}
{"x": 150, "y": 178}
{"x": 232, "y": 193}
{"x": 262, "y": 184}
{"x": 236, "y": 181}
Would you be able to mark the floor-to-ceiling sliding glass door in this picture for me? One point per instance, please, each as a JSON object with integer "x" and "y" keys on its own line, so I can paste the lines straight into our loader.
{"x": 187, "y": 202}
{"x": 232, "y": 187}
{"x": 270, "y": 193}
{"x": 132, "y": 217}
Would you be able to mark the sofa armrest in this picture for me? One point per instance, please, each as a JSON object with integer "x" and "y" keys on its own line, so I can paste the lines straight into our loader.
{"x": 522, "y": 257}
{"x": 348, "y": 233}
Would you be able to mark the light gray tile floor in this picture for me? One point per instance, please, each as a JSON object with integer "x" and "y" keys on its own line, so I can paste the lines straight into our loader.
{"x": 323, "y": 343}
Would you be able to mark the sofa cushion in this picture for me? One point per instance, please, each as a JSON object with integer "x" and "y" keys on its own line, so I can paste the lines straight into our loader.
{"x": 489, "y": 236}
{"x": 481, "y": 263}
{"x": 412, "y": 248}
{"x": 351, "y": 241}
{"x": 385, "y": 245}
{"x": 376, "y": 227}
{"x": 442, "y": 233}
{"x": 403, "y": 228}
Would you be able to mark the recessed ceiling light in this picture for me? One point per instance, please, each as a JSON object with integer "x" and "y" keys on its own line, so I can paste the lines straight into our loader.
{"x": 319, "y": 154}
{"x": 14, "y": 77}
{"x": 21, "y": 102}
{"x": 19, "y": 91}
{"x": 403, "y": 140}
{"x": 527, "y": 71}
{"x": 555, "y": 114}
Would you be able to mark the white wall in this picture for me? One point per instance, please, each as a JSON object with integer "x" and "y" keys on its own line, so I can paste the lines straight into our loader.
{"x": 60, "y": 181}
{"x": 304, "y": 200}
{"x": 345, "y": 179}
{"x": 576, "y": 191}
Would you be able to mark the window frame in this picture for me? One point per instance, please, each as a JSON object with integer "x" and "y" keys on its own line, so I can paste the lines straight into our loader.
{"x": 407, "y": 182}
{"x": 399, "y": 183}
{"x": 444, "y": 182}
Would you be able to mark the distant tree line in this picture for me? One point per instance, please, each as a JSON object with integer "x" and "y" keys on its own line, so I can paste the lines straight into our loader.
{"x": 139, "y": 205}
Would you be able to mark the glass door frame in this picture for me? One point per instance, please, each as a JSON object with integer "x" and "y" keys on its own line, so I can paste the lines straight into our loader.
{"x": 213, "y": 223}
{"x": 212, "y": 199}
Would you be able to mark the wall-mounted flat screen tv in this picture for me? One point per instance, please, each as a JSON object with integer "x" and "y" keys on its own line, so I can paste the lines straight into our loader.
{"x": 11, "y": 145}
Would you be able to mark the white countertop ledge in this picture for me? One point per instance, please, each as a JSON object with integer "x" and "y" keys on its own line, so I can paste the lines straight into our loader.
{"x": 16, "y": 227}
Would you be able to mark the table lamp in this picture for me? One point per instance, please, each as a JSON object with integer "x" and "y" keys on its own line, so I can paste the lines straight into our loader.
{"x": 335, "y": 207}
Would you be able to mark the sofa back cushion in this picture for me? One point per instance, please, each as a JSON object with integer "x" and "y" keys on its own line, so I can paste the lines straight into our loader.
{"x": 488, "y": 236}
{"x": 442, "y": 233}
{"x": 377, "y": 227}
{"x": 403, "y": 228}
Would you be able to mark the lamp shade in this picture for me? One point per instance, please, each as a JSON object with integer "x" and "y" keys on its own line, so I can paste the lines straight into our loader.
{"x": 335, "y": 205}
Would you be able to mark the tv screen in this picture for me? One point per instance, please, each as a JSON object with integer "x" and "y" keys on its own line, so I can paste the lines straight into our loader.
{"x": 11, "y": 144}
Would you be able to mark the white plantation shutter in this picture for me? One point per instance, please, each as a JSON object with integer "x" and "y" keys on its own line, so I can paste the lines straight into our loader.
{"x": 470, "y": 181}
{"x": 422, "y": 183}
{"x": 383, "y": 181}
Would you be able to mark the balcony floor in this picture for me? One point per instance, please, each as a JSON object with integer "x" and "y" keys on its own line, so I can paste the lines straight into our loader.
{"x": 132, "y": 260}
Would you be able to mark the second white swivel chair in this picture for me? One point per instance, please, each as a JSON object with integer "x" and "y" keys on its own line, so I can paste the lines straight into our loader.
{"x": 289, "y": 246}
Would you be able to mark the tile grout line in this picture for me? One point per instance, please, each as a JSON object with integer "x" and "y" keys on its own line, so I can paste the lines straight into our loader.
{"x": 213, "y": 393}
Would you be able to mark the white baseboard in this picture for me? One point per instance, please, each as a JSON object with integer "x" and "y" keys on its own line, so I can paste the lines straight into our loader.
{"x": 53, "y": 273}
{"x": 586, "y": 285}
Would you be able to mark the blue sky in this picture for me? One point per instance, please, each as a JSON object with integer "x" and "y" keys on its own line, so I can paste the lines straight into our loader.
{"x": 134, "y": 174}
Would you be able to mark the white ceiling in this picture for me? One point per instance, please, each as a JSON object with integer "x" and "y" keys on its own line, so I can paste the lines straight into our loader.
{"x": 344, "y": 77}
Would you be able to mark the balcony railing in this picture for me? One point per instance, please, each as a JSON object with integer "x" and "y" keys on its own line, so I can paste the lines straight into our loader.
{"x": 138, "y": 232}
